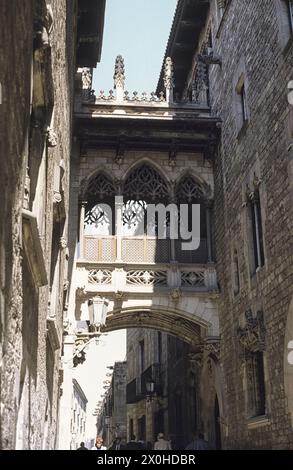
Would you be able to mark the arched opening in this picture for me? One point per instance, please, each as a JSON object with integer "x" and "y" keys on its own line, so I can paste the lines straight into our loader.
{"x": 218, "y": 442}
{"x": 189, "y": 193}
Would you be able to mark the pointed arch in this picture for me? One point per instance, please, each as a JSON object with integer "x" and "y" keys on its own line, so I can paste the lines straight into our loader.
{"x": 189, "y": 188}
{"x": 145, "y": 181}
{"x": 99, "y": 184}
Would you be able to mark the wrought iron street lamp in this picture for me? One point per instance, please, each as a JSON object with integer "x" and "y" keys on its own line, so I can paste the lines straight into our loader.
{"x": 150, "y": 389}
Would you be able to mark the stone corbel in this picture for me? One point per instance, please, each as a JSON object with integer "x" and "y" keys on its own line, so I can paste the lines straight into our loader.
{"x": 52, "y": 139}
{"x": 53, "y": 333}
{"x": 43, "y": 25}
{"x": 120, "y": 151}
{"x": 252, "y": 335}
{"x": 33, "y": 248}
{"x": 173, "y": 154}
{"x": 212, "y": 346}
{"x": 175, "y": 295}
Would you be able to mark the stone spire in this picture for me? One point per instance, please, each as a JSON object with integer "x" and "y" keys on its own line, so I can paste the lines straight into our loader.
{"x": 119, "y": 78}
{"x": 169, "y": 79}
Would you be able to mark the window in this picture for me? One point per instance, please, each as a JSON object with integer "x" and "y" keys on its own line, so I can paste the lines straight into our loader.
{"x": 221, "y": 5}
{"x": 141, "y": 355}
{"x": 256, "y": 384}
{"x": 285, "y": 17}
{"x": 256, "y": 229}
{"x": 241, "y": 103}
{"x": 290, "y": 14}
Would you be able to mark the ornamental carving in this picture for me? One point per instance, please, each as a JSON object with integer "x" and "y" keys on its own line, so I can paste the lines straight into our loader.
{"x": 52, "y": 138}
{"x": 147, "y": 278}
{"x": 175, "y": 295}
{"x": 169, "y": 74}
{"x": 119, "y": 74}
{"x": 189, "y": 190}
{"x": 252, "y": 336}
{"x": 86, "y": 78}
{"x": 100, "y": 186}
{"x": 81, "y": 294}
{"x": 145, "y": 183}
{"x": 192, "y": 278}
{"x": 100, "y": 277}
{"x": 63, "y": 243}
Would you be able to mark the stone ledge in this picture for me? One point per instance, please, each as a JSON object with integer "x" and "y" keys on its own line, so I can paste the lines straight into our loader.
{"x": 259, "y": 421}
{"x": 33, "y": 248}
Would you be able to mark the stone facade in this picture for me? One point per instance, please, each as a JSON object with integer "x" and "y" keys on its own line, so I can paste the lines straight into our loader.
{"x": 253, "y": 41}
{"x": 260, "y": 148}
{"x": 38, "y": 64}
{"x": 78, "y": 416}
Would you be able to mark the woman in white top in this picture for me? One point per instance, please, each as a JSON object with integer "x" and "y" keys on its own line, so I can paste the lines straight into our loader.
{"x": 99, "y": 444}
{"x": 162, "y": 443}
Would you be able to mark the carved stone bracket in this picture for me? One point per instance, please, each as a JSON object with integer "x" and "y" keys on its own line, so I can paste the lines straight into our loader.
{"x": 63, "y": 243}
{"x": 252, "y": 336}
{"x": 175, "y": 295}
{"x": 81, "y": 294}
{"x": 52, "y": 138}
{"x": 196, "y": 356}
{"x": 212, "y": 346}
{"x": 252, "y": 192}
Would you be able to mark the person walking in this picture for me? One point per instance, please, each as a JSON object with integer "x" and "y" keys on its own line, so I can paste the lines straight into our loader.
{"x": 82, "y": 447}
{"x": 198, "y": 443}
{"x": 133, "y": 444}
{"x": 99, "y": 444}
{"x": 162, "y": 443}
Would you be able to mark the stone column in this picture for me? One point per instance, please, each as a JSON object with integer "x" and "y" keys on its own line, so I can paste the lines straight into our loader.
{"x": 119, "y": 226}
{"x": 209, "y": 231}
{"x": 81, "y": 229}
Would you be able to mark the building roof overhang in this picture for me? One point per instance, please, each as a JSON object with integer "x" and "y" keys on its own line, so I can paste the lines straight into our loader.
{"x": 189, "y": 19}
{"x": 186, "y": 128}
{"x": 90, "y": 28}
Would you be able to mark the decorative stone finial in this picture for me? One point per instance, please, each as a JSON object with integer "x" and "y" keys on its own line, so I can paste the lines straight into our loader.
{"x": 169, "y": 79}
{"x": 119, "y": 74}
{"x": 169, "y": 74}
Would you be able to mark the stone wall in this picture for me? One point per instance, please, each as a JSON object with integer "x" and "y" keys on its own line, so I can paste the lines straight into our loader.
{"x": 250, "y": 40}
{"x": 29, "y": 360}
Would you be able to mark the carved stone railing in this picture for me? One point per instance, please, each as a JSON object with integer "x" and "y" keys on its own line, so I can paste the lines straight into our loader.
{"x": 135, "y": 97}
{"x": 98, "y": 278}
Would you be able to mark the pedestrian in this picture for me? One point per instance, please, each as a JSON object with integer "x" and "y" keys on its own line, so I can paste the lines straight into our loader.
{"x": 162, "y": 443}
{"x": 99, "y": 444}
{"x": 198, "y": 443}
{"x": 82, "y": 447}
{"x": 132, "y": 444}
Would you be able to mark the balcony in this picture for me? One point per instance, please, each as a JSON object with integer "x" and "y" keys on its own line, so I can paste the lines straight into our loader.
{"x": 139, "y": 250}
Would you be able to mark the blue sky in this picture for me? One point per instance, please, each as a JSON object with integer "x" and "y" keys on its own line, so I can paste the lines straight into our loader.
{"x": 139, "y": 31}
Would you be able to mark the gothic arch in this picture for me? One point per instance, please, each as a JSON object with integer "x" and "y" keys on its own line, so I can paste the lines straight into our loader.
{"x": 200, "y": 190}
{"x": 88, "y": 183}
{"x": 145, "y": 179}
